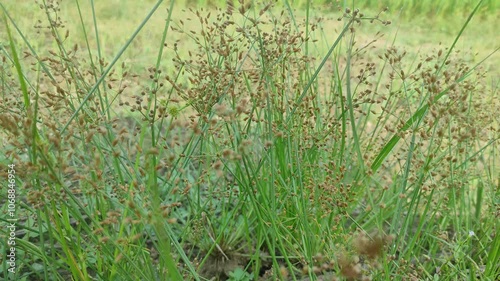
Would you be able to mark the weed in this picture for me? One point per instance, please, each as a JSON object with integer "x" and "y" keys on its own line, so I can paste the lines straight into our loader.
{"x": 258, "y": 146}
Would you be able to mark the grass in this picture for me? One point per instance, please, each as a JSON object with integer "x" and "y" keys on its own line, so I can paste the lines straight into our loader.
{"x": 250, "y": 142}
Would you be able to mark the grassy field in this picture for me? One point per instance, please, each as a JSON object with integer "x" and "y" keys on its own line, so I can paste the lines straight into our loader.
{"x": 200, "y": 140}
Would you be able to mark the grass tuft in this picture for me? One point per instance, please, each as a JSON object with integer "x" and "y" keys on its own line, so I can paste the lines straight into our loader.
{"x": 245, "y": 141}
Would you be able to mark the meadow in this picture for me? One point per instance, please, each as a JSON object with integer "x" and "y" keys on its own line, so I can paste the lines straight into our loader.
{"x": 240, "y": 140}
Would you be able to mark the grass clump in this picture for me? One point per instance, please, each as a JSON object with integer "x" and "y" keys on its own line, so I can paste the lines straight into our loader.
{"x": 257, "y": 146}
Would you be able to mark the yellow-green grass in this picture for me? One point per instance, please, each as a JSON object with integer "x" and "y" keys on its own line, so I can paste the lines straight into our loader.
{"x": 117, "y": 20}
{"x": 269, "y": 168}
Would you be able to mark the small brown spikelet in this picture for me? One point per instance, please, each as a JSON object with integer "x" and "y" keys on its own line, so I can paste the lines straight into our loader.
{"x": 369, "y": 247}
{"x": 350, "y": 269}
{"x": 217, "y": 165}
{"x": 153, "y": 151}
{"x": 305, "y": 270}
{"x": 226, "y": 153}
{"x": 7, "y": 123}
{"x": 230, "y": 7}
{"x": 284, "y": 272}
{"x": 103, "y": 239}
